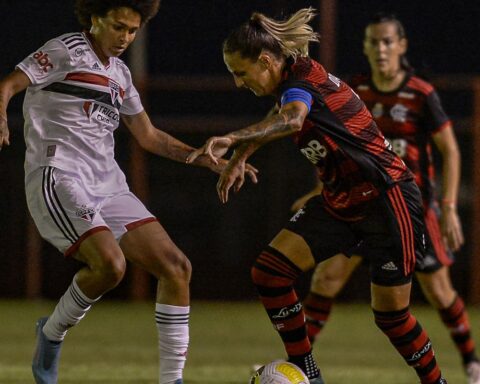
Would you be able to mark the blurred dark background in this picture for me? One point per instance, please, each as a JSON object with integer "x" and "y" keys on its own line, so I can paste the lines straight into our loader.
{"x": 187, "y": 92}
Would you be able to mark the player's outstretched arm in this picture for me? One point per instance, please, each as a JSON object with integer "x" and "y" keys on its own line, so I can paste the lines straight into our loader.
{"x": 287, "y": 121}
{"x": 10, "y": 85}
{"x": 162, "y": 144}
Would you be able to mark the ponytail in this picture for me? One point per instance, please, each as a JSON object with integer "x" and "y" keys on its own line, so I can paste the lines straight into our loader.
{"x": 289, "y": 38}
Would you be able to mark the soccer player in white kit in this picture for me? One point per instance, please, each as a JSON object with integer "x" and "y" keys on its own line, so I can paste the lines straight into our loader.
{"x": 77, "y": 91}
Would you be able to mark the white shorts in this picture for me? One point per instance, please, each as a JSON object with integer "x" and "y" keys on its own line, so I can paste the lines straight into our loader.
{"x": 65, "y": 214}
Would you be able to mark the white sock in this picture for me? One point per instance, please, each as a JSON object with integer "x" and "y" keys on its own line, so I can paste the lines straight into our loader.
{"x": 173, "y": 338}
{"x": 71, "y": 308}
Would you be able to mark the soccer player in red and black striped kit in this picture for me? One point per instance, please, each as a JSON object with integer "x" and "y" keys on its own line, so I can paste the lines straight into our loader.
{"x": 408, "y": 111}
{"x": 369, "y": 199}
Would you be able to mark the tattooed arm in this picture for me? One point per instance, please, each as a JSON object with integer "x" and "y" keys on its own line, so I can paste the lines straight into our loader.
{"x": 288, "y": 120}
{"x": 162, "y": 144}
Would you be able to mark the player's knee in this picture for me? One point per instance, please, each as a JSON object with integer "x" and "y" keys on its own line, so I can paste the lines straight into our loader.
{"x": 439, "y": 296}
{"x": 176, "y": 268}
{"x": 112, "y": 268}
{"x": 438, "y": 289}
{"x": 327, "y": 283}
{"x": 272, "y": 269}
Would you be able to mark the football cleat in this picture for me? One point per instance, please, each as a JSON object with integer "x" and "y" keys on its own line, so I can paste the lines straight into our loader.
{"x": 46, "y": 357}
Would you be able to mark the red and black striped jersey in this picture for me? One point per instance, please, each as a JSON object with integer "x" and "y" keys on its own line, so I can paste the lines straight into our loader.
{"x": 355, "y": 163}
{"x": 408, "y": 117}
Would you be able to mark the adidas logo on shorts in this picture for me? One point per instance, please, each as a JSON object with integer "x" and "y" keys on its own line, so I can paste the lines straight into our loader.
{"x": 390, "y": 266}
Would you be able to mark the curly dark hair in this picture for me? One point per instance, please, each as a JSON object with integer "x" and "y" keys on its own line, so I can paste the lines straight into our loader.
{"x": 84, "y": 9}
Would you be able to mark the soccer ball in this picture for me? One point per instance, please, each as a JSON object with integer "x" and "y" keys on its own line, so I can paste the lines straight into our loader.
{"x": 279, "y": 372}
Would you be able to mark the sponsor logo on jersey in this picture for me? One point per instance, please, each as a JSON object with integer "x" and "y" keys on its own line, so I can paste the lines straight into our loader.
{"x": 314, "y": 151}
{"x": 85, "y": 213}
{"x": 406, "y": 95}
{"x": 101, "y": 113}
{"x": 399, "y": 113}
{"x": 81, "y": 51}
{"x": 43, "y": 61}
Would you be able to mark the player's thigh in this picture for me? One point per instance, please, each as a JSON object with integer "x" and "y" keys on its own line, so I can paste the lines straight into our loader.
{"x": 295, "y": 248}
{"x": 393, "y": 235}
{"x": 101, "y": 252}
{"x": 142, "y": 239}
{"x": 150, "y": 247}
{"x": 313, "y": 235}
{"x": 437, "y": 287}
{"x": 331, "y": 275}
{"x": 64, "y": 213}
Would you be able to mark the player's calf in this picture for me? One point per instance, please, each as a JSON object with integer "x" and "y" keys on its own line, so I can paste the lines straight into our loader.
{"x": 412, "y": 342}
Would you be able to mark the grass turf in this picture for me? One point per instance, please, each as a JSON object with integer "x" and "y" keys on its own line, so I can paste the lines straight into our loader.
{"x": 116, "y": 343}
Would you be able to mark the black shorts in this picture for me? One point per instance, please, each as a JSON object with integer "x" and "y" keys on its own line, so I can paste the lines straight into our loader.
{"x": 437, "y": 254}
{"x": 390, "y": 236}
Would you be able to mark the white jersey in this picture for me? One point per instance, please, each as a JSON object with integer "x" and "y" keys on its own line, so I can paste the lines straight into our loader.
{"x": 72, "y": 108}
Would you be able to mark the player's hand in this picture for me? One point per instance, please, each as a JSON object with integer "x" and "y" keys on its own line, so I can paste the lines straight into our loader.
{"x": 250, "y": 170}
{"x": 214, "y": 148}
{"x": 234, "y": 176}
{"x": 451, "y": 228}
{"x": 4, "y": 132}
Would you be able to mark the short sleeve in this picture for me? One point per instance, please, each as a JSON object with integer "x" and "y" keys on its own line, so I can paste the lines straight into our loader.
{"x": 437, "y": 116}
{"x": 48, "y": 64}
{"x": 296, "y": 94}
{"x": 131, "y": 102}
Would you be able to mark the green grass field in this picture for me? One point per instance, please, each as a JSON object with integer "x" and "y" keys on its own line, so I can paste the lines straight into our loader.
{"x": 116, "y": 343}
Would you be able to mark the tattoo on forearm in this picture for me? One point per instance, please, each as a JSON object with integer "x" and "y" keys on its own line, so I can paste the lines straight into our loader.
{"x": 274, "y": 127}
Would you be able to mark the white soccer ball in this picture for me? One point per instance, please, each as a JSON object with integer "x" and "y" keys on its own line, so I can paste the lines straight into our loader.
{"x": 279, "y": 372}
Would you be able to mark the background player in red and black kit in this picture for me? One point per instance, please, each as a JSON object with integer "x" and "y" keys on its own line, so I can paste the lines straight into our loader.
{"x": 369, "y": 196}
{"x": 408, "y": 111}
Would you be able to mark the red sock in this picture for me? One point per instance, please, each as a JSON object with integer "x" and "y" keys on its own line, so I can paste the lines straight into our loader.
{"x": 412, "y": 342}
{"x": 456, "y": 319}
{"x": 317, "y": 311}
{"x": 273, "y": 275}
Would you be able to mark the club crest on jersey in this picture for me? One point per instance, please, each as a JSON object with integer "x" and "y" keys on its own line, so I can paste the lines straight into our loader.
{"x": 85, "y": 213}
{"x": 399, "y": 113}
{"x": 114, "y": 90}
